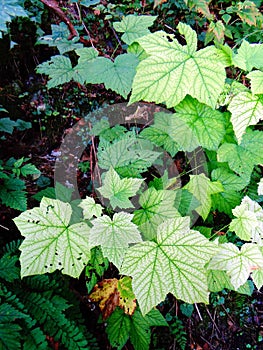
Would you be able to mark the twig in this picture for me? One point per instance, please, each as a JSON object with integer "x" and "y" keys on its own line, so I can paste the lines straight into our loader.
{"x": 6, "y": 228}
{"x": 53, "y": 5}
{"x": 211, "y": 318}
{"x": 87, "y": 31}
{"x": 199, "y": 314}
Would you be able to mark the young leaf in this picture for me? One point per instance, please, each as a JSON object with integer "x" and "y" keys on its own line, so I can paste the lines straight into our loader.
{"x": 246, "y": 109}
{"x": 242, "y": 158}
{"x": 119, "y": 190}
{"x": 172, "y": 70}
{"x": 159, "y": 133}
{"x": 117, "y": 76}
{"x": 256, "y": 78}
{"x": 60, "y": 70}
{"x": 249, "y": 56}
{"x": 50, "y": 243}
{"x": 134, "y": 27}
{"x": 114, "y": 235}
{"x": 157, "y": 206}
{"x": 201, "y": 123}
{"x": 126, "y": 156}
{"x": 90, "y": 208}
{"x": 174, "y": 263}
{"x": 237, "y": 263}
{"x": 118, "y": 329}
{"x": 202, "y": 188}
{"x": 248, "y": 224}
{"x": 29, "y": 169}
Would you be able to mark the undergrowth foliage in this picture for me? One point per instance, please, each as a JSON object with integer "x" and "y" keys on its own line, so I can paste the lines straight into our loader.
{"x": 157, "y": 248}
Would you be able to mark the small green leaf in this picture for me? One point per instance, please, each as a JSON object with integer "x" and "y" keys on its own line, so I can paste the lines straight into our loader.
{"x": 256, "y": 78}
{"x": 202, "y": 188}
{"x": 90, "y": 208}
{"x": 119, "y": 190}
{"x": 118, "y": 328}
{"x": 249, "y": 56}
{"x": 156, "y": 207}
{"x": 114, "y": 235}
{"x": 174, "y": 263}
{"x": 50, "y": 243}
{"x": 29, "y": 169}
{"x": 246, "y": 109}
{"x": 7, "y": 125}
{"x": 237, "y": 263}
{"x": 134, "y": 27}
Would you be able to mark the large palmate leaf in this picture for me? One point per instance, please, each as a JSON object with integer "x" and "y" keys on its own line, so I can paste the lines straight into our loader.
{"x": 60, "y": 70}
{"x": 256, "y": 78}
{"x": 119, "y": 190}
{"x": 126, "y": 155}
{"x": 242, "y": 158}
{"x": 114, "y": 235}
{"x": 249, "y": 56}
{"x": 134, "y": 27}
{"x": 237, "y": 263}
{"x": 159, "y": 133}
{"x": 225, "y": 201}
{"x": 248, "y": 224}
{"x": 90, "y": 208}
{"x": 117, "y": 76}
{"x": 196, "y": 124}
{"x": 174, "y": 263}
{"x": 50, "y": 242}
{"x": 202, "y": 188}
{"x": 246, "y": 109}
{"x": 156, "y": 207}
{"x": 173, "y": 70}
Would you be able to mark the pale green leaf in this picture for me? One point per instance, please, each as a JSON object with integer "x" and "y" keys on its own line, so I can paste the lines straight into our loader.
{"x": 237, "y": 263}
{"x": 249, "y": 56}
{"x": 126, "y": 156}
{"x": 59, "y": 69}
{"x": 90, "y": 208}
{"x": 260, "y": 188}
{"x": 246, "y": 109}
{"x": 173, "y": 264}
{"x": 50, "y": 242}
{"x": 137, "y": 50}
{"x": 196, "y": 124}
{"x": 119, "y": 190}
{"x": 242, "y": 158}
{"x": 159, "y": 133}
{"x": 134, "y": 27}
{"x": 86, "y": 54}
{"x": 256, "y": 78}
{"x": 229, "y": 180}
{"x": 156, "y": 207}
{"x": 202, "y": 188}
{"x": 173, "y": 70}
{"x": 257, "y": 277}
{"x": 114, "y": 236}
{"x": 218, "y": 280}
{"x": 117, "y": 76}
{"x": 248, "y": 224}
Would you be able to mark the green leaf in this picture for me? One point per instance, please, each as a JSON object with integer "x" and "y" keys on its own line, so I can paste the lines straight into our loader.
{"x": 246, "y": 109}
{"x": 229, "y": 180}
{"x": 173, "y": 70}
{"x": 173, "y": 264}
{"x": 7, "y": 125}
{"x": 134, "y": 27}
{"x": 201, "y": 125}
{"x": 248, "y": 224}
{"x": 249, "y": 56}
{"x": 8, "y": 10}
{"x": 159, "y": 133}
{"x": 118, "y": 328}
{"x": 126, "y": 156}
{"x": 86, "y": 54}
{"x": 256, "y": 78}
{"x": 257, "y": 277}
{"x": 156, "y": 207}
{"x": 242, "y": 158}
{"x": 114, "y": 235}
{"x": 202, "y": 188}
{"x": 60, "y": 70}
{"x": 14, "y": 199}
{"x": 218, "y": 280}
{"x": 119, "y": 190}
{"x": 237, "y": 263}
{"x": 90, "y": 208}
{"x": 117, "y": 76}
{"x": 63, "y": 193}
{"x": 50, "y": 243}
{"x": 29, "y": 169}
